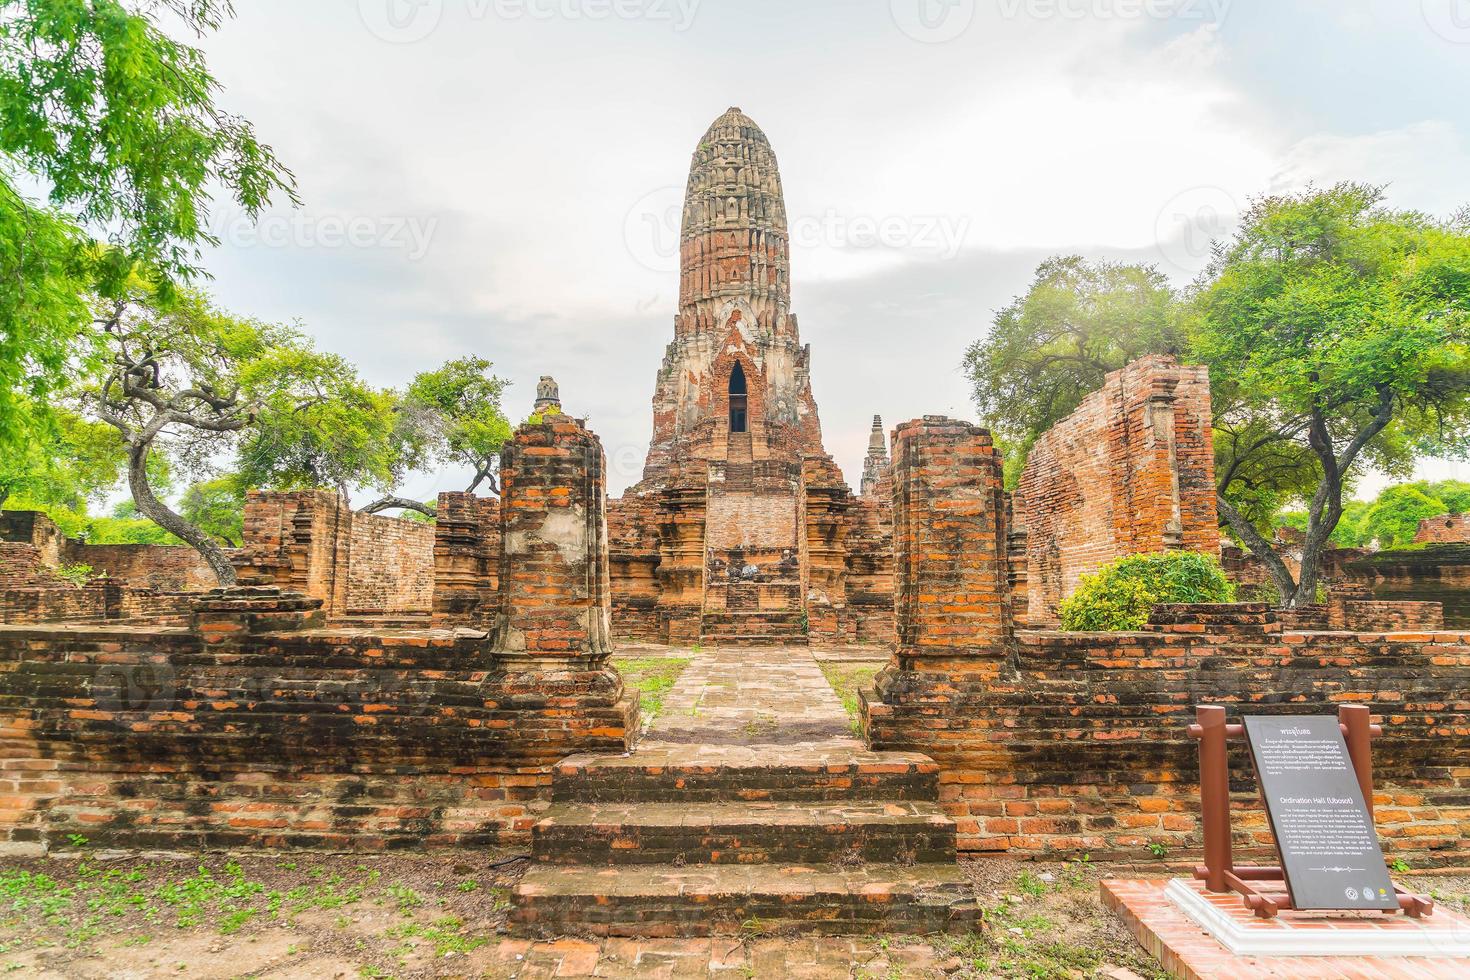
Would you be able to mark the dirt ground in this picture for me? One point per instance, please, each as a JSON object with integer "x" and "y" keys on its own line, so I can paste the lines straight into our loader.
{"x": 92, "y": 914}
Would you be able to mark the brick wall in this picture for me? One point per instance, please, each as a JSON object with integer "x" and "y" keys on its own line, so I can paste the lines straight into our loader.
{"x": 870, "y": 570}
{"x": 1130, "y": 471}
{"x": 390, "y": 566}
{"x": 346, "y": 740}
{"x": 159, "y": 567}
{"x": 1434, "y": 572}
{"x": 1053, "y": 744}
{"x": 466, "y": 560}
{"x": 1446, "y": 528}
{"x": 633, "y": 543}
{"x": 260, "y": 726}
{"x": 311, "y": 542}
{"x": 165, "y": 568}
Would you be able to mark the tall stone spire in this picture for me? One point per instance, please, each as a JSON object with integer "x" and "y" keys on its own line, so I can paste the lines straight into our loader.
{"x": 736, "y": 372}
{"x": 733, "y": 242}
{"x": 875, "y": 465}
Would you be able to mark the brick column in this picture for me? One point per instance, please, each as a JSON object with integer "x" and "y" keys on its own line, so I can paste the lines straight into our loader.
{"x": 949, "y": 542}
{"x": 952, "y": 611}
{"x": 554, "y": 584}
{"x": 552, "y": 635}
{"x": 466, "y": 560}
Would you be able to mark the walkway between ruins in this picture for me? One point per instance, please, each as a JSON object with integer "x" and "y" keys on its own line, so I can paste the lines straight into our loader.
{"x": 748, "y": 804}
{"x": 731, "y": 696}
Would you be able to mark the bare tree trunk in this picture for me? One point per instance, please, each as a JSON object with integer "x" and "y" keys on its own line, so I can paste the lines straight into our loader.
{"x": 156, "y": 511}
{"x": 1261, "y": 548}
{"x": 397, "y": 503}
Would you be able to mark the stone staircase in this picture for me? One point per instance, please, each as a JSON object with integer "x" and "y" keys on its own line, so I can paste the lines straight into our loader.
{"x": 697, "y": 840}
{"x": 757, "y": 614}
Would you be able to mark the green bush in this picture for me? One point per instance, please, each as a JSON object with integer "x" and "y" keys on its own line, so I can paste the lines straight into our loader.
{"x": 1120, "y": 595}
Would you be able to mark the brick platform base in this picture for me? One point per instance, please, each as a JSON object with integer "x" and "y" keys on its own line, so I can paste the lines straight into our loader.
{"x": 1189, "y": 953}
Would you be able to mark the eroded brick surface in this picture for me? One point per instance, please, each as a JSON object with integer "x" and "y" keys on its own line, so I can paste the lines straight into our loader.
{"x": 1130, "y": 471}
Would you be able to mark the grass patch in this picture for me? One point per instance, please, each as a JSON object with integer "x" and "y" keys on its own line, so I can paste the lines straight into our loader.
{"x": 652, "y": 678}
{"x": 847, "y": 679}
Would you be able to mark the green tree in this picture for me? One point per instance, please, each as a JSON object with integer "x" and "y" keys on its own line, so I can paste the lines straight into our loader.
{"x": 1053, "y": 346}
{"x": 216, "y": 507}
{"x": 1337, "y": 332}
{"x": 186, "y": 379}
{"x": 1394, "y": 518}
{"x": 115, "y": 122}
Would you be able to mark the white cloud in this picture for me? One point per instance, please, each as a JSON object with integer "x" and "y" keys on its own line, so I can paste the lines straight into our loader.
{"x": 928, "y": 180}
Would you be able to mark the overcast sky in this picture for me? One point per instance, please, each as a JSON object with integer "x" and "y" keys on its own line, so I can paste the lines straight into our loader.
{"x": 502, "y": 177}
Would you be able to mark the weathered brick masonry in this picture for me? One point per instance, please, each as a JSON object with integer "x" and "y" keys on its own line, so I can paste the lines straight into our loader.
{"x": 466, "y": 560}
{"x": 1130, "y": 471}
{"x": 742, "y": 530}
{"x": 260, "y": 725}
{"x": 1447, "y": 528}
{"x": 1057, "y": 743}
{"x": 311, "y": 541}
{"x": 130, "y": 581}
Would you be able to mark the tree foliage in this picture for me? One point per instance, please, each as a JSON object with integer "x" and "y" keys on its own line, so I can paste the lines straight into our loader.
{"x": 1121, "y": 594}
{"x": 114, "y": 123}
{"x": 1051, "y": 347}
{"x": 186, "y": 379}
{"x": 1337, "y": 333}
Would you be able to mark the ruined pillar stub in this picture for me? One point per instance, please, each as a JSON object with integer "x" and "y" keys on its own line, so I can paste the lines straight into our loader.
{"x": 949, "y": 541}
{"x": 553, "y": 562}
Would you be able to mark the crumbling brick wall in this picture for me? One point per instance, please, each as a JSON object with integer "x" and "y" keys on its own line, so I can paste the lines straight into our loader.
{"x": 1054, "y": 744}
{"x": 633, "y": 542}
{"x": 311, "y": 541}
{"x": 390, "y": 566}
{"x": 132, "y": 581}
{"x": 1130, "y": 471}
{"x": 259, "y": 726}
{"x": 162, "y": 568}
{"x": 1444, "y": 529}
{"x": 466, "y": 560}
{"x": 158, "y": 567}
{"x": 870, "y": 570}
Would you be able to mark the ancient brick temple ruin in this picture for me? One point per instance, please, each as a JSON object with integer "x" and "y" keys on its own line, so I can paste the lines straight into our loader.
{"x": 377, "y": 683}
{"x": 742, "y": 528}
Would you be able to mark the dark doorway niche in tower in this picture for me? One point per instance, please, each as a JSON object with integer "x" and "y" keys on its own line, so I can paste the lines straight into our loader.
{"x": 737, "y": 399}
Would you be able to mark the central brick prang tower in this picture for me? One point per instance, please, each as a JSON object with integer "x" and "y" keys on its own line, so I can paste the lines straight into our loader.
{"x": 734, "y": 311}
{"x": 737, "y": 531}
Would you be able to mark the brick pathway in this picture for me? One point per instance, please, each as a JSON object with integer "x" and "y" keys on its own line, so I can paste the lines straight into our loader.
{"x": 731, "y": 696}
{"x": 747, "y": 805}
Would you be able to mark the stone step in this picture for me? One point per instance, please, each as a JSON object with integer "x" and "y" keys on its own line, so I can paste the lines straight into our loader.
{"x": 665, "y": 900}
{"x": 906, "y": 832}
{"x": 807, "y": 772}
{"x": 755, "y": 640}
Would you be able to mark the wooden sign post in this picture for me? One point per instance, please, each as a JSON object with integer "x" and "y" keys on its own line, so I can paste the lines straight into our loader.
{"x": 1219, "y": 872}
